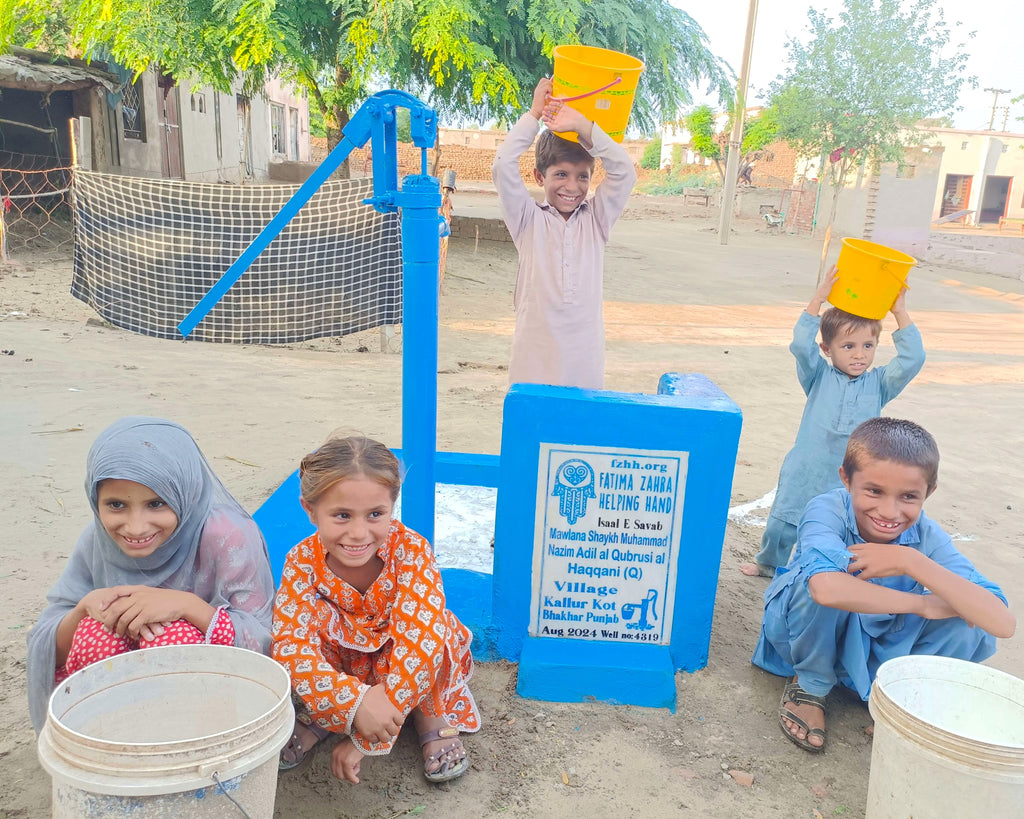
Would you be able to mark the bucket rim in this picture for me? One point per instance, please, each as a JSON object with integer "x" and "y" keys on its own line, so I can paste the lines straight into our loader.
{"x": 566, "y": 50}
{"x": 899, "y": 670}
{"x": 59, "y": 727}
{"x": 866, "y": 245}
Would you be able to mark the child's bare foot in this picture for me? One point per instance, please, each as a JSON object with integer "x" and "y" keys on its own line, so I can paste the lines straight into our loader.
{"x": 444, "y": 757}
{"x": 757, "y": 570}
{"x": 802, "y": 717}
{"x": 346, "y": 760}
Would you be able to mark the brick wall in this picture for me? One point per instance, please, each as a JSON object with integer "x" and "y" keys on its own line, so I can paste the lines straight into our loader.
{"x": 779, "y": 170}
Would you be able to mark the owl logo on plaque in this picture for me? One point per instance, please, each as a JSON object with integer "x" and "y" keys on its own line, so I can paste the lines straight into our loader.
{"x": 574, "y": 486}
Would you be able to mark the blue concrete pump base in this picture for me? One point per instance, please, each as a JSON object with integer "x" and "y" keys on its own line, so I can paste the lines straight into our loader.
{"x": 566, "y": 670}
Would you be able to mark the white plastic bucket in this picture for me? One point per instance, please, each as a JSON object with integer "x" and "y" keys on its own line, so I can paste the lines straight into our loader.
{"x": 949, "y": 740}
{"x": 147, "y": 734}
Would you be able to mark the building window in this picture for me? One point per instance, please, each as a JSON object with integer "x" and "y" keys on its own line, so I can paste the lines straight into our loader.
{"x": 277, "y": 142}
{"x": 906, "y": 171}
{"x": 963, "y": 146}
{"x": 293, "y": 133}
{"x": 1005, "y": 146}
{"x": 199, "y": 103}
{"x": 133, "y": 122}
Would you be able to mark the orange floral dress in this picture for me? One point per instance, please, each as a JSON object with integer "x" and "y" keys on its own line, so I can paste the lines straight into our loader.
{"x": 336, "y": 643}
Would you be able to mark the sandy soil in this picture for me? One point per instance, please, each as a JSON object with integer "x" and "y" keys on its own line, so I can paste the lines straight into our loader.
{"x": 676, "y": 301}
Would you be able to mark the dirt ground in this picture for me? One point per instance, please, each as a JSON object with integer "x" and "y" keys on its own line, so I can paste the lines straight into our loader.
{"x": 677, "y": 301}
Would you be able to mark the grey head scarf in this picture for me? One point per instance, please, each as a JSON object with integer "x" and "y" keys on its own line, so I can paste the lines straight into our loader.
{"x": 216, "y": 551}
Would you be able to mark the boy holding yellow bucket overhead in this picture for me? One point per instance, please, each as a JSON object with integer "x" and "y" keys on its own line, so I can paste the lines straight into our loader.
{"x": 559, "y": 332}
{"x": 842, "y": 391}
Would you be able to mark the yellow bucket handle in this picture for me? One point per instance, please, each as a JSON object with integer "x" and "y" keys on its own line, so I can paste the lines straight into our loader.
{"x": 616, "y": 81}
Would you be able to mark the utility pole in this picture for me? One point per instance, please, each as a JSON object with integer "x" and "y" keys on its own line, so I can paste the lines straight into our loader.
{"x": 995, "y": 99}
{"x": 732, "y": 163}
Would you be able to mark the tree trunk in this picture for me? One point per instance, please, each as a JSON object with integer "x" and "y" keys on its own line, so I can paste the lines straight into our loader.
{"x": 838, "y": 178}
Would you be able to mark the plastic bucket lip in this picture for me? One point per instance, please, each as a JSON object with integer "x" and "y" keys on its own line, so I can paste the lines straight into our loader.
{"x": 129, "y": 768}
{"x": 946, "y": 670}
{"x": 227, "y": 733}
{"x": 588, "y": 56}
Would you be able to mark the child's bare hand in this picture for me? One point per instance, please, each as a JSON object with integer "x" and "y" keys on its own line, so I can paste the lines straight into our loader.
{"x": 376, "y": 718}
{"x": 827, "y": 284}
{"x": 541, "y": 95}
{"x": 900, "y": 305}
{"x": 346, "y": 760}
{"x": 562, "y": 118}
{"x": 96, "y": 602}
{"x": 879, "y": 560}
{"x": 139, "y": 611}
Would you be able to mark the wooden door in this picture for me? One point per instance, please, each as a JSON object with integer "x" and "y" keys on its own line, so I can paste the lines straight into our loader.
{"x": 170, "y": 128}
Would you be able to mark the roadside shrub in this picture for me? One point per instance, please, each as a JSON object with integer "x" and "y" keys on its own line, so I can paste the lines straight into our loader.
{"x": 652, "y": 155}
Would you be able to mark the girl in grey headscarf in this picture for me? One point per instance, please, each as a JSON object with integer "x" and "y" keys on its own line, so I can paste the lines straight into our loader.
{"x": 169, "y": 558}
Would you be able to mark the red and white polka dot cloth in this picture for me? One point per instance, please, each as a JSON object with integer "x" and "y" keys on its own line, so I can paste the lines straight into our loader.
{"x": 92, "y": 642}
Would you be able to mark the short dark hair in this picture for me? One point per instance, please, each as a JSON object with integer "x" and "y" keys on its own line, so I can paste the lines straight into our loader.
{"x": 893, "y": 439}
{"x": 552, "y": 149}
{"x": 834, "y": 320}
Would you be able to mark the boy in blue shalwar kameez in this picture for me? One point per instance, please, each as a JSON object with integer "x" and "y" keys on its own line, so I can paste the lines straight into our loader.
{"x": 842, "y": 390}
{"x": 872, "y": 578}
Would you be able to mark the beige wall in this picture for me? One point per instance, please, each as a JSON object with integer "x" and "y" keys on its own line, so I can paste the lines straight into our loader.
{"x": 979, "y": 154}
{"x": 207, "y": 156}
{"x": 892, "y": 208}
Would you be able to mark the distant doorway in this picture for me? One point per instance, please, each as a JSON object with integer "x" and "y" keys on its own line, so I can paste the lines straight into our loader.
{"x": 170, "y": 129}
{"x": 993, "y": 199}
{"x": 956, "y": 195}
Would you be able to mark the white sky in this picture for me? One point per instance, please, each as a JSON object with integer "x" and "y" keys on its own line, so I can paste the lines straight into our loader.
{"x": 996, "y": 52}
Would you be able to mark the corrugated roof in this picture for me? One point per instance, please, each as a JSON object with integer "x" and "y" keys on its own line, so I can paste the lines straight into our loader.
{"x": 32, "y": 75}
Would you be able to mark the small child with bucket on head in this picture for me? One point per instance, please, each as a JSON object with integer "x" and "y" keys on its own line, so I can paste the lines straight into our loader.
{"x": 872, "y": 578}
{"x": 842, "y": 391}
{"x": 361, "y": 624}
{"x": 559, "y": 332}
{"x": 170, "y": 558}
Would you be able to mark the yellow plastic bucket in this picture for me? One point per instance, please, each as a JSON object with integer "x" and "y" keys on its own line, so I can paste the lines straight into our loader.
{"x": 870, "y": 278}
{"x": 582, "y": 70}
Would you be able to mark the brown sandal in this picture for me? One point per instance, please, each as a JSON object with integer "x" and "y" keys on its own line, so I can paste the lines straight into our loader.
{"x": 793, "y": 693}
{"x": 450, "y": 764}
{"x": 299, "y": 753}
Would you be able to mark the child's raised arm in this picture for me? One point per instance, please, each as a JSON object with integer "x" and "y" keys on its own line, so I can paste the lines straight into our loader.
{"x": 899, "y": 309}
{"x": 822, "y": 291}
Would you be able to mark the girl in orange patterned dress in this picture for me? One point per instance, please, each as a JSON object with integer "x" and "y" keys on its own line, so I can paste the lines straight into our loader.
{"x": 361, "y": 625}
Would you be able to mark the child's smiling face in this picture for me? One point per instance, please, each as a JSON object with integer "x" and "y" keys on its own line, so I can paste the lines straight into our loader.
{"x": 353, "y": 518}
{"x": 565, "y": 185}
{"x": 135, "y": 517}
{"x": 887, "y": 497}
{"x": 852, "y": 351}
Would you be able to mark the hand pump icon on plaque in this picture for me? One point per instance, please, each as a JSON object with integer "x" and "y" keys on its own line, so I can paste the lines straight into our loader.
{"x": 646, "y": 607}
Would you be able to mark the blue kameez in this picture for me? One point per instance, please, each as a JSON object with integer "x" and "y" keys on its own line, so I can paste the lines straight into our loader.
{"x": 822, "y": 645}
{"x": 836, "y": 405}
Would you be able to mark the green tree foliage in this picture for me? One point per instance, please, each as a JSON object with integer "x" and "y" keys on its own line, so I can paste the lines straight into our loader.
{"x": 760, "y": 129}
{"x": 856, "y": 88}
{"x": 651, "y": 158}
{"x": 476, "y": 58}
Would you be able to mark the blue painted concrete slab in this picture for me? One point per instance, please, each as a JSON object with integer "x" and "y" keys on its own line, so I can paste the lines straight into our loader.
{"x": 564, "y": 670}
